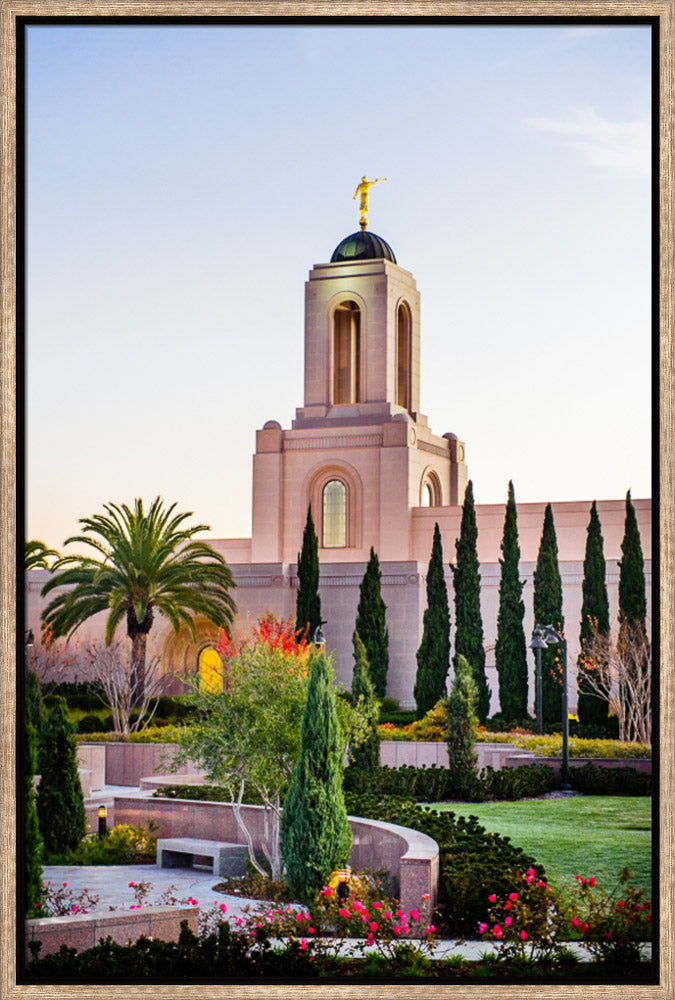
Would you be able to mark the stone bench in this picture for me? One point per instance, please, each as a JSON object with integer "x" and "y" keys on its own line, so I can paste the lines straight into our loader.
{"x": 188, "y": 852}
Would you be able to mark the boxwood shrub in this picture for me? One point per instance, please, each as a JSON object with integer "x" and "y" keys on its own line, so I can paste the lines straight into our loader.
{"x": 473, "y": 863}
{"x": 593, "y": 780}
{"x": 434, "y": 784}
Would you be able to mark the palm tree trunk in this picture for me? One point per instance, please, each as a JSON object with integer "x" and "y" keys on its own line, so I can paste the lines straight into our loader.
{"x": 138, "y": 647}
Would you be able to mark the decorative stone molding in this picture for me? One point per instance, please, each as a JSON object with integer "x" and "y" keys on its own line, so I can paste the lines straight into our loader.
{"x": 344, "y": 441}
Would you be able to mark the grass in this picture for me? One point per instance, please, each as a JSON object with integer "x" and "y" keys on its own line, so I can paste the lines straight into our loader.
{"x": 577, "y": 835}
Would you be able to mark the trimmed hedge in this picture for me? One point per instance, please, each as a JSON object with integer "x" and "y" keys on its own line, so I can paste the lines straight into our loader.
{"x": 592, "y": 780}
{"x": 473, "y": 863}
{"x": 435, "y": 784}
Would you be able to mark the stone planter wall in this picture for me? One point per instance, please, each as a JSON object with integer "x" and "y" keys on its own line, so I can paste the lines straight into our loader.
{"x": 123, "y": 926}
{"x": 410, "y": 857}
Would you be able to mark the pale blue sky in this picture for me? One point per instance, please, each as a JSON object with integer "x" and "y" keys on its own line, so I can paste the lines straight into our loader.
{"x": 181, "y": 182}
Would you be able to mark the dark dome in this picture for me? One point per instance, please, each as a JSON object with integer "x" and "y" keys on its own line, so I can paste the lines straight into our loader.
{"x": 362, "y": 246}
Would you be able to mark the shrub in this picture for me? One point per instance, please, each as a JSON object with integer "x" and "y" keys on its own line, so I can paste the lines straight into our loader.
{"x": 610, "y": 928}
{"x": 122, "y": 845}
{"x": 60, "y": 803}
{"x": 472, "y": 862}
{"x": 525, "y": 920}
{"x": 91, "y": 723}
{"x": 593, "y": 780}
{"x": 460, "y": 710}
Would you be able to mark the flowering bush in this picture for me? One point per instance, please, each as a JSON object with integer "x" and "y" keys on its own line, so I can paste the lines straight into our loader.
{"x": 526, "y": 921}
{"x": 610, "y": 927}
{"x": 62, "y": 901}
{"x": 121, "y": 845}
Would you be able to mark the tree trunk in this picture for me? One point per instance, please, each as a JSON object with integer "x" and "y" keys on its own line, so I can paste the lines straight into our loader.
{"x": 138, "y": 647}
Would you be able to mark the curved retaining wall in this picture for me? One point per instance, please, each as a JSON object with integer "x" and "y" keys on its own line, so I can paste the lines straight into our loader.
{"x": 410, "y": 857}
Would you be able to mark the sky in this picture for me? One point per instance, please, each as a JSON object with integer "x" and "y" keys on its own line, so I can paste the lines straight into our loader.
{"x": 182, "y": 180}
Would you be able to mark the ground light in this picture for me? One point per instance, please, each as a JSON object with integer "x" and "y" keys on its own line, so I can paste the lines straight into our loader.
{"x": 542, "y": 636}
{"x": 102, "y": 821}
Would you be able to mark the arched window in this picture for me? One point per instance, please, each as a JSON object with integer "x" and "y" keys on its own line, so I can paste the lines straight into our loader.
{"x": 346, "y": 353}
{"x": 403, "y": 353}
{"x": 430, "y": 490}
{"x": 334, "y": 532}
{"x": 210, "y": 671}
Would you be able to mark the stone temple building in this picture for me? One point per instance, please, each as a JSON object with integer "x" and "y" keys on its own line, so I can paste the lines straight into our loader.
{"x": 361, "y": 452}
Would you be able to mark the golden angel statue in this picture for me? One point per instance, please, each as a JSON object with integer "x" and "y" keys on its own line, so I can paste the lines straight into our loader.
{"x": 362, "y": 189}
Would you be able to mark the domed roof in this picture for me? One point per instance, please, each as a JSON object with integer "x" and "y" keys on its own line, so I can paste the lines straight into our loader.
{"x": 362, "y": 246}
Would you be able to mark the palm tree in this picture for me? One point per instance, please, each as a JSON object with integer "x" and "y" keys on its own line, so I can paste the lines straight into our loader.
{"x": 149, "y": 563}
{"x": 36, "y": 555}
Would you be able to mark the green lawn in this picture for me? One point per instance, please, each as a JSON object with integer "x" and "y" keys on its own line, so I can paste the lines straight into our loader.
{"x": 580, "y": 835}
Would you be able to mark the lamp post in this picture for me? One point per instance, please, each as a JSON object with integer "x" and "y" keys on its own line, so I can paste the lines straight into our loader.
{"x": 102, "y": 821}
{"x": 319, "y": 638}
{"x": 541, "y": 637}
{"x": 537, "y": 645}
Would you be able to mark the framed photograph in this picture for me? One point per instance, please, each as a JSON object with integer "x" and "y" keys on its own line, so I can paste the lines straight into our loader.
{"x": 416, "y": 260}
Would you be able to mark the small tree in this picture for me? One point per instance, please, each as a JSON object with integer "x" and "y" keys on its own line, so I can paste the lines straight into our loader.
{"x": 548, "y": 611}
{"x": 315, "y": 833}
{"x": 371, "y": 625}
{"x": 592, "y": 710}
{"x": 462, "y": 730}
{"x": 110, "y": 670}
{"x": 632, "y": 594}
{"x": 308, "y": 601}
{"x": 620, "y": 675}
{"x": 248, "y": 736}
{"x": 60, "y": 803}
{"x": 468, "y": 619}
{"x": 510, "y": 650}
{"x": 433, "y": 656}
{"x": 366, "y": 753}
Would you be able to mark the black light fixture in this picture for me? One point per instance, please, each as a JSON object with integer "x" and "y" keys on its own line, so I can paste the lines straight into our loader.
{"x": 319, "y": 638}
{"x": 30, "y": 638}
{"x": 542, "y": 636}
{"x": 537, "y": 644}
{"x": 102, "y": 821}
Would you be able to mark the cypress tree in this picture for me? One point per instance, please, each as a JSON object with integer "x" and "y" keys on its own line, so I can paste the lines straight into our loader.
{"x": 433, "y": 656}
{"x": 461, "y": 730}
{"x": 60, "y": 803}
{"x": 308, "y": 602}
{"x": 32, "y": 846}
{"x": 510, "y": 650}
{"x": 468, "y": 619}
{"x": 315, "y": 833}
{"x": 548, "y": 611}
{"x": 366, "y": 755}
{"x": 592, "y": 710}
{"x": 371, "y": 625}
{"x": 632, "y": 596}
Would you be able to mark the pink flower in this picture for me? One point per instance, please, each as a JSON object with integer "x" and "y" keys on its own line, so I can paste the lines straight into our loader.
{"x": 492, "y": 898}
{"x": 74, "y": 908}
{"x": 400, "y": 913}
{"x": 509, "y": 920}
{"x": 223, "y": 908}
{"x": 376, "y": 905}
{"x": 371, "y": 940}
{"x": 498, "y": 931}
{"x": 326, "y": 891}
{"x": 343, "y": 913}
{"x": 482, "y": 928}
{"x": 576, "y": 921}
{"x": 523, "y": 935}
{"x": 397, "y": 930}
{"x": 430, "y": 929}
{"x": 64, "y": 884}
{"x": 131, "y": 885}
{"x": 304, "y": 944}
{"x": 238, "y": 922}
{"x": 513, "y": 896}
{"x": 584, "y": 927}
{"x": 591, "y": 882}
{"x": 310, "y": 930}
{"x": 425, "y": 895}
{"x": 414, "y": 915}
{"x": 387, "y": 914}
{"x": 530, "y": 871}
{"x": 373, "y": 926}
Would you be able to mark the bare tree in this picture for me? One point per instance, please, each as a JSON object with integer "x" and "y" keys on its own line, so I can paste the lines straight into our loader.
{"x": 54, "y": 661}
{"x": 620, "y": 673}
{"x": 110, "y": 670}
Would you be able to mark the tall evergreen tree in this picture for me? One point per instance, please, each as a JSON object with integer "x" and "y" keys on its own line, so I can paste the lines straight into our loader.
{"x": 468, "y": 619}
{"x": 592, "y": 711}
{"x": 462, "y": 730}
{"x": 548, "y": 611}
{"x": 308, "y": 602}
{"x": 32, "y": 844}
{"x": 366, "y": 754}
{"x": 433, "y": 656}
{"x": 632, "y": 594}
{"x": 632, "y": 597}
{"x": 60, "y": 803}
{"x": 510, "y": 650}
{"x": 315, "y": 833}
{"x": 371, "y": 625}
